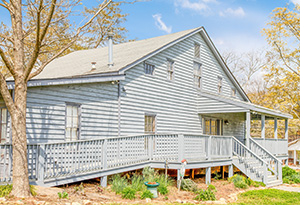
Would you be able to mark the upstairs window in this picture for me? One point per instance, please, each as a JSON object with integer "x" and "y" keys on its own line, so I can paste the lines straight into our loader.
{"x": 197, "y": 50}
{"x": 170, "y": 69}
{"x": 197, "y": 75}
{"x": 3, "y": 126}
{"x": 72, "y": 122}
{"x": 220, "y": 84}
{"x": 150, "y": 124}
{"x": 233, "y": 92}
{"x": 149, "y": 69}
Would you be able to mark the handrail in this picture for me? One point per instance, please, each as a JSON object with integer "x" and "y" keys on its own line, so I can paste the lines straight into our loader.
{"x": 258, "y": 157}
{"x": 265, "y": 150}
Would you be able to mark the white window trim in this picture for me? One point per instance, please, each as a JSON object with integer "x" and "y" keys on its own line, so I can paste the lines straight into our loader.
{"x": 171, "y": 71}
{"x": 79, "y": 119}
{"x": 155, "y": 123}
{"x": 151, "y": 64}
{"x": 197, "y": 44}
{"x": 199, "y": 76}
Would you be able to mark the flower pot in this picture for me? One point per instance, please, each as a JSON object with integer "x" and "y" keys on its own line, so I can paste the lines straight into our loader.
{"x": 152, "y": 187}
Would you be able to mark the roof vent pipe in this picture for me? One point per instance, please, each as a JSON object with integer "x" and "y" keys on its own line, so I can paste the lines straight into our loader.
{"x": 110, "y": 49}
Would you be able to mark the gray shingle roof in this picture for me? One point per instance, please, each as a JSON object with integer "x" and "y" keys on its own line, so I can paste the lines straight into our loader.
{"x": 78, "y": 63}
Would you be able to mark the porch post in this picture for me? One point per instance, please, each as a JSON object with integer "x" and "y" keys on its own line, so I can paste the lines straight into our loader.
{"x": 275, "y": 128}
{"x": 230, "y": 170}
{"x": 208, "y": 175}
{"x": 295, "y": 157}
{"x": 286, "y": 134}
{"x": 263, "y": 130}
{"x": 248, "y": 124}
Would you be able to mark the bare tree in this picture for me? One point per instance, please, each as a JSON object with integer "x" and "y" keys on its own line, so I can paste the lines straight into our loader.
{"x": 40, "y": 31}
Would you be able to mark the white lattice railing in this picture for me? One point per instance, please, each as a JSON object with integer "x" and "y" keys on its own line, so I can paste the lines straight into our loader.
{"x": 278, "y": 147}
{"x": 50, "y": 161}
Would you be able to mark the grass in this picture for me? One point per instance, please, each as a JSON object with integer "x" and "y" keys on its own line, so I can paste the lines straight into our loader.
{"x": 268, "y": 196}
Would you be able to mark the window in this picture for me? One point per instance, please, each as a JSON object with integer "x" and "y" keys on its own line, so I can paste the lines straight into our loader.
{"x": 197, "y": 50}
{"x": 3, "y": 125}
{"x": 213, "y": 127}
{"x": 149, "y": 69}
{"x": 220, "y": 84}
{"x": 170, "y": 66}
{"x": 197, "y": 75}
{"x": 72, "y": 122}
{"x": 233, "y": 92}
{"x": 150, "y": 124}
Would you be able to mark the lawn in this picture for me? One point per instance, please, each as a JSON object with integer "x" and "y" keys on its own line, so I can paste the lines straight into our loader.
{"x": 269, "y": 196}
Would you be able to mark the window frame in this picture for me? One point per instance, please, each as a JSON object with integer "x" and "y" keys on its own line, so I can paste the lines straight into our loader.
{"x": 79, "y": 107}
{"x": 197, "y": 76}
{"x": 149, "y": 64}
{"x": 6, "y": 138}
{"x": 197, "y": 52}
{"x": 170, "y": 69}
{"x": 154, "y": 124}
{"x": 218, "y": 126}
{"x": 220, "y": 84}
{"x": 233, "y": 92}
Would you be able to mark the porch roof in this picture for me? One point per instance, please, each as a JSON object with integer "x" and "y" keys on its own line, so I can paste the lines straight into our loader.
{"x": 222, "y": 104}
{"x": 294, "y": 146}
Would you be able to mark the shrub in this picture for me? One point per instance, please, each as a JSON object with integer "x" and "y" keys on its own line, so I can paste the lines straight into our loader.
{"x": 287, "y": 171}
{"x": 149, "y": 174}
{"x": 128, "y": 193}
{"x": 205, "y": 195}
{"x": 217, "y": 175}
{"x": 5, "y": 190}
{"x": 290, "y": 176}
{"x": 162, "y": 180}
{"x": 137, "y": 182}
{"x": 163, "y": 189}
{"x": 63, "y": 195}
{"x": 147, "y": 194}
{"x": 118, "y": 183}
{"x": 189, "y": 185}
{"x": 239, "y": 181}
{"x": 211, "y": 187}
{"x": 33, "y": 190}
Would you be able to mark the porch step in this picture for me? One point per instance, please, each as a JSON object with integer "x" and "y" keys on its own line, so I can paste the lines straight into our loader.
{"x": 274, "y": 183}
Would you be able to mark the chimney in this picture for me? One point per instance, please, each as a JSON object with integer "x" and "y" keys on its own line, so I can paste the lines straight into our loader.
{"x": 110, "y": 49}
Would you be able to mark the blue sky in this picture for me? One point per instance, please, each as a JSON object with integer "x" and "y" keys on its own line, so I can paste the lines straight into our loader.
{"x": 232, "y": 24}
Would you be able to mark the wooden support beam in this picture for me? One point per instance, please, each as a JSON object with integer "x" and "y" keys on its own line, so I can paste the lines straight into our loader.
{"x": 104, "y": 181}
{"x": 248, "y": 126}
{"x": 263, "y": 129}
{"x": 223, "y": 172}
{"x": 193, "y": 173}
{"x": 208, "y": 175}
{"x": 275, "y": 128}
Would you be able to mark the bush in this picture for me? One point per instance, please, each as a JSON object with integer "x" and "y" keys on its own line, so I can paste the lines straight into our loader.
{"x": 128, "y": 193}
{"x": 162, "y": 180}
{"x": 147, "y": 194}
{"x": 290, "y": 176}
{"x": 5, "y": 190}
{"x": 149, "y": 174}
{"x": 163, "y": 189}
{"x": 239, "y": 181}
{"x": 137, "y": 182}
{"x": 211, "y": 187}
{"x": 205, "y": 195}
{"x": 63, "y": 195}
{"x": 217, "y": 175}
{"x": 188, "y": 185}
{"x": 287, "y": 172}
{"x": 118, "y": 183}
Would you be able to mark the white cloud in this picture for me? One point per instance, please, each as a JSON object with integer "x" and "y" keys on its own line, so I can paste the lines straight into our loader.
{"x": 199, "y": 5}
{"x": 239, "y": 12}
{"x": 160, "y": 24}
{"x": 296, "y": 2}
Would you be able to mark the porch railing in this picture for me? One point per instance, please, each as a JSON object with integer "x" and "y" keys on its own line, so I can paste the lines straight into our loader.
{"x": 51, "y": 161}
{"x": 278, "y": 147}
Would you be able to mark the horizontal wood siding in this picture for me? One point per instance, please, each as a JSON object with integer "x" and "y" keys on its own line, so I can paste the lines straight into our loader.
{"x": 174, "y": 102}
{"x": 46, "y": 107}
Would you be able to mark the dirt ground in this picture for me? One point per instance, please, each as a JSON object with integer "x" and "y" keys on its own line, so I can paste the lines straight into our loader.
{"x": 91, "y": 194}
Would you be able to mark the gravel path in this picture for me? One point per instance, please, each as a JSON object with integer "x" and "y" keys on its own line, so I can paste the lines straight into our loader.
{"x": 287, "y": 188}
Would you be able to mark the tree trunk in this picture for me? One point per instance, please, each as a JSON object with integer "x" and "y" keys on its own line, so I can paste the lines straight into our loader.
{"x": 21, "y": 186}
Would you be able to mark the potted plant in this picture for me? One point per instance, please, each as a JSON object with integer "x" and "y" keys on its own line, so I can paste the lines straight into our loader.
{"x": 152, "y": 187}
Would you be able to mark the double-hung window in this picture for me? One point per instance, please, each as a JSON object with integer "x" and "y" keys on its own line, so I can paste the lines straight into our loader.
{"x": 149, "y": 68}
{"x": 170, "y": 69}
{"x": 150, "y": 123}
{"x": 72, "y": 122}
{"x": 220, "y": 84}
{"x": 197, "y": 75}
{"x": 197, "y": 50}
{"x": 3, "y": 126}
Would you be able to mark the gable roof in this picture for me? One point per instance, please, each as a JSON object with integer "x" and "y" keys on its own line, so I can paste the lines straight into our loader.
{"x": 126, "y": 55}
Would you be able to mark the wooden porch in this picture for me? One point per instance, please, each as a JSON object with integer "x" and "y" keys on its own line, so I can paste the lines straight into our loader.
{"x": 52, "y": 164}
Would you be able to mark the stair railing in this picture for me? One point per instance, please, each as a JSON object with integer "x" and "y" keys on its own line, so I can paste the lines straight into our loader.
{"x": 243, "y": 152}
{"x": 274, "y": 164}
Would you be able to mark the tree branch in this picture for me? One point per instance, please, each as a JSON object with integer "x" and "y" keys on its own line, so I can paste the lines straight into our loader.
{"x": 79, "y": 30}
{"x": 6, "y": 95}
{"x": 7, "y": 63}
{"x": 284, "y": 61}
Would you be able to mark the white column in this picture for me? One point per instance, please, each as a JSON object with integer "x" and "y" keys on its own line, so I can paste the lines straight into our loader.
{"x": 286, "y": 135}
{"x": 295, "y": 157}
{"x": 248, "y": 126}
{"x": 208, "y": 175}
{"x": 263, "y": 130}
{"x": 275, "y": 128}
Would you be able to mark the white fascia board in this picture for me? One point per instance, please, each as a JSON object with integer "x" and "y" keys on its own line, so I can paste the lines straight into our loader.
{"x": 68, "y": 81}
{"x": 247, "y": 106}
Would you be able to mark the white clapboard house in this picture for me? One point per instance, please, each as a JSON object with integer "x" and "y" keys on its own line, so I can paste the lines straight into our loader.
{"x": 97, "y": 112}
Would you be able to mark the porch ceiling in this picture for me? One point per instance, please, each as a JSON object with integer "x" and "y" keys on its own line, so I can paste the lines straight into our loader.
{"x": 222, "y": 104}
